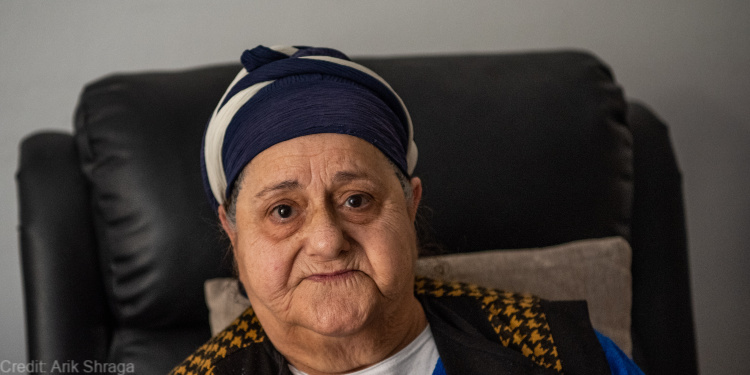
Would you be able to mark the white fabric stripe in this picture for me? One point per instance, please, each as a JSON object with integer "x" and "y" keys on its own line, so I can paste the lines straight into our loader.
{"x": 411, "y": 151}
{"x": 236, "y": 79}
{"x": 208, "y": 145}
{"x": 215, "y": 138}
{"x": 287, "y": 50}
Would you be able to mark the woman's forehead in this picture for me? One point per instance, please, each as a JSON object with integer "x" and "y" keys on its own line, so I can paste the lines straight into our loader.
{"x": 333, "y": 158}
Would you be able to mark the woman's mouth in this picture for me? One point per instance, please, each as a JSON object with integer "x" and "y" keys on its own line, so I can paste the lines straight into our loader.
{"x": 332, "y": 276}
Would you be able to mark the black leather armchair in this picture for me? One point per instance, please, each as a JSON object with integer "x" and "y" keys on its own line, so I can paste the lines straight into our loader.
{"x": 516, "y": 150}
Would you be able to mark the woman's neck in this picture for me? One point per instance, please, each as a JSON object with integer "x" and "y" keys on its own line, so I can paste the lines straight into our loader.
{"x": 317, "y": 354}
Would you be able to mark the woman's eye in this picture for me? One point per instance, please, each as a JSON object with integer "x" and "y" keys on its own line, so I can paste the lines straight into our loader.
{"x": 283, "y": 211}
{"x": 356, "y": 201}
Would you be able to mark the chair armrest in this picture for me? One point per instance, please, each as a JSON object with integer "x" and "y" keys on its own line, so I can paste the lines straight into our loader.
{"x": 66, "y": 314}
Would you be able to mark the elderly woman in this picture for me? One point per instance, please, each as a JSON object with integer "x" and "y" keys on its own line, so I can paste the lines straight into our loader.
{"x": 307, "y": 161}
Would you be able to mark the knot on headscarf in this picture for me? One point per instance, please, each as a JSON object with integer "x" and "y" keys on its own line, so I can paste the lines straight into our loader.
{"x": 288, "y": 92}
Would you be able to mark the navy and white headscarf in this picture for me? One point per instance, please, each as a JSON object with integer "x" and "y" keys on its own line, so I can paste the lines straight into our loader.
{"x": 287, "y": 92}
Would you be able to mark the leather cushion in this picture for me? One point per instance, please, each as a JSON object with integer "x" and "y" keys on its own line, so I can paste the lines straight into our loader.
{"x": 548, "y": 161}
{"x": 138, "y": 137}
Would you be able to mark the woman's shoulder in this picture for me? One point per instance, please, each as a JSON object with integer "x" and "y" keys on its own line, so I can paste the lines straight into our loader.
{"x": 515, "y": 320}
{"x": 242, "y": 333}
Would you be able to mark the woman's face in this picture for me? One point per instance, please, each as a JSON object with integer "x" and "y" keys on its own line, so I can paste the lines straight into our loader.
{"x": 324, "y": 237}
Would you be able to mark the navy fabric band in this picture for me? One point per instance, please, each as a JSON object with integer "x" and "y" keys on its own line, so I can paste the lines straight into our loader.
{"x": 295, "y": 66}
{"x": 301, "y": 105}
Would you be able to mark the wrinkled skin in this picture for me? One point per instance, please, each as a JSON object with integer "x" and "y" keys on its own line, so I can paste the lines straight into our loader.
{"x": 326, "y": 247}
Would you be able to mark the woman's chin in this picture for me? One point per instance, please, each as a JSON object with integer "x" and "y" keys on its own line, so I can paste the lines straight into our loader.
{"x": 339, "y": 315}
{"x": 340, "y": 318}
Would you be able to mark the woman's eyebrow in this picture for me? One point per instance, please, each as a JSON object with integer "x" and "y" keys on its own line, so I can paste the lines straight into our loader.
{"x": 284, "y": 185}
{"x": 339, "y": 177}
{"x": 347, "y": 176}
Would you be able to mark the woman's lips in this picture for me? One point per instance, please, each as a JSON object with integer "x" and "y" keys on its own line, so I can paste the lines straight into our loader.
{"x": 333, "y": 276}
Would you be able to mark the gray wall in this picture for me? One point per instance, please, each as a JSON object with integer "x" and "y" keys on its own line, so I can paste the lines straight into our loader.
{"x": 687, "y": 59}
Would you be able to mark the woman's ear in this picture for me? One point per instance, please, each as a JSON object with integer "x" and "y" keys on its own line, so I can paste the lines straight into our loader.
{"x": 416, "y": 193}
{"x": 228, "y": 226}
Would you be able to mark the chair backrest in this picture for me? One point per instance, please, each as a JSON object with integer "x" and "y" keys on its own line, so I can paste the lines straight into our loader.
{"x": 516, "y": 150}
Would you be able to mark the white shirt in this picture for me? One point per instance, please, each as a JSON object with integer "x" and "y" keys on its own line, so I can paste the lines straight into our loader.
{"x": 419, "y": 357}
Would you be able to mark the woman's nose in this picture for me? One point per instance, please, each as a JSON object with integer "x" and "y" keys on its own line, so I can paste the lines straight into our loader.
{"x": 326, "y": 237}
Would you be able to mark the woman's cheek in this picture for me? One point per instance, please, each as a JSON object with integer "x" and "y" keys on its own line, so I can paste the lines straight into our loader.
{"x": 273, "y": 266}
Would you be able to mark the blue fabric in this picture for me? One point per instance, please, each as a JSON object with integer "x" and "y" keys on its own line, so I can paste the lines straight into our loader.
{"x": 619, "y": 363}
{"x": 308, "y": 97}
{"x": 439, "y": 368}
{"x": 310, "y": 104}
{"x": 265, "y": 64}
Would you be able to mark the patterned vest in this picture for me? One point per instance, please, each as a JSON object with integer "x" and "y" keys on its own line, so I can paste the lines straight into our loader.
{"x": 518, "y": 321}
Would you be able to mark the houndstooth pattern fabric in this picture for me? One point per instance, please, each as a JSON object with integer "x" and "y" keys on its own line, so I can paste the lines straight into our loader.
{"x": 517, "y": 318}
{"x": 243, "y": 332}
